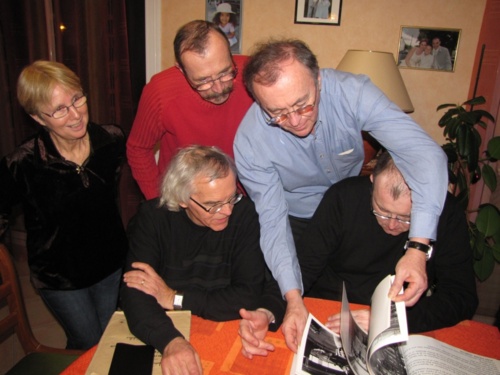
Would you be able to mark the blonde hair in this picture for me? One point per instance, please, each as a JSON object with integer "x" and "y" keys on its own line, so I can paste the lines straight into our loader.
{"x": 37, "y": 81}
{"x": 190, "y": 162}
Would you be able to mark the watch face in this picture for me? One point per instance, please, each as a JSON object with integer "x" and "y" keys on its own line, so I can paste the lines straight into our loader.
{"x": 178, "y": 301}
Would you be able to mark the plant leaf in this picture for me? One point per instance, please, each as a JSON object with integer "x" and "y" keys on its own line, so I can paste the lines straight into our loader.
{"x": 447, "y": 105}
{"x": 473, "y": 149}
{"x": 475, "y": 101}
{"x": 483, "y": 113}
{"x": 476, "y": 242}
{"x": 462, "y": 135}
{"x": 494, "y": 148}
{"x": 483, "y": 267}
{"x": 470, "y": 118}
{"x": 477, "y": 139}
{"x": 447, "y": 117}
{"x": 488, "y": 220}
{"x": 489, "y": 177}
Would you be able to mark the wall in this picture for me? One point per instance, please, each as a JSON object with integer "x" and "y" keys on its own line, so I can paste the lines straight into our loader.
{"x": 365, "y": 24}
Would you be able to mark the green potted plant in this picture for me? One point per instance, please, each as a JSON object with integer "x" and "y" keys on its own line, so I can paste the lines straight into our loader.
{"x": 466, "y": 166}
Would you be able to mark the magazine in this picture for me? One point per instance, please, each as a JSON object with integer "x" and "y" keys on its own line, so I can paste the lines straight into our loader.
{"x": 386, "y": 349}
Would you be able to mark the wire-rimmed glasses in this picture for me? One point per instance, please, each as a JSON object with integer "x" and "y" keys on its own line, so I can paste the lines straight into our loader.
{"x": 222, "y": 78}
{"x": 385, "y": 217}
{"x": 217, "y": 207}
{"x": 63, "y": 111}
{"x": 280, "y": 119}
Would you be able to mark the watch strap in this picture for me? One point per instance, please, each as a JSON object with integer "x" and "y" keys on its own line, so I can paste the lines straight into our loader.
{"x": 427, "y": 249}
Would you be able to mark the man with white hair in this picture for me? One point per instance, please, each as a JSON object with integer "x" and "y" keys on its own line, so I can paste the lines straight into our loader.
{"x": 195, "y": 248}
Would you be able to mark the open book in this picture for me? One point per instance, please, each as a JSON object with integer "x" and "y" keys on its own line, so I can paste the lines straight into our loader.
{"x": 386, "y": 349}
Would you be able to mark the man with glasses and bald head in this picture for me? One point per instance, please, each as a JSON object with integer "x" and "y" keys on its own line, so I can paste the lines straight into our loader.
{"x": 357, "y": 236}
{"x": 302, "y": 135}
{"x": 195, "y": 248}
{"x": 360, "y": 231}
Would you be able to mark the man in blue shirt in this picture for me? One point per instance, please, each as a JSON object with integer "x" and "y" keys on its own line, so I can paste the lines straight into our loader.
{"x": 302, "y": 135}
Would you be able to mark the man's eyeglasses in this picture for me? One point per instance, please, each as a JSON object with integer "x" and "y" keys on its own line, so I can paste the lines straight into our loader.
{"x": 384, "y": 217}
{"x": 280, "y": 119}
{"x": 217, "y": 207}
{"x": 64, "y": 110}
{"x": 223, "y": 78}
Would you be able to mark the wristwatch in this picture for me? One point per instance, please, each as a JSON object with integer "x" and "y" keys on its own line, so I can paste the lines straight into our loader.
{"x": 178, "y": 297}
{"x": 427, "y": 249}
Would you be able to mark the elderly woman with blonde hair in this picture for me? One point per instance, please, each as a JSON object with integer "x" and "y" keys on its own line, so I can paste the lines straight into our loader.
{"x": 66, "y": 178}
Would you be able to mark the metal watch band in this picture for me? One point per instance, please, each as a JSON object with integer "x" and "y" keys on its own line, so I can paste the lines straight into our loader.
{"x": 427, "y": 249}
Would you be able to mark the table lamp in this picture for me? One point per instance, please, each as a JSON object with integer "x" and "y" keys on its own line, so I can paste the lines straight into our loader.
{"x": 382, "y": 69}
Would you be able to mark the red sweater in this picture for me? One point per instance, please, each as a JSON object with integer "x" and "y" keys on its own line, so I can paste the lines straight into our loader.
{"x": 172, "y": 115}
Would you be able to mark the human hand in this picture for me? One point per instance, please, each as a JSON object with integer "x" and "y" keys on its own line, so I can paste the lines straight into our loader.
{"x": 253, "y": 330}
{"x": 361, "y": 317}
{"x": 180, "y": 358}
{"x": 410, "y": 269}
{"x": 145, "y": 279}
{"x": 295, "y": 319}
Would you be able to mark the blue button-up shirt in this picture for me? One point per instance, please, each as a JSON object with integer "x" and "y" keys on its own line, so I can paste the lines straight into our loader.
{"x": 287, "y": 175}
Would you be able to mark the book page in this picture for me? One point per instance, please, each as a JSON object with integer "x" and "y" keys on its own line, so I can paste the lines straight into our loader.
{"x": 320, "y": 352}
{"x": 117, "y": 331}
{"x": 354, "y": 339}
{"x": 374, "y": 353}
{"x": 427, "y": 356}
{"x": 388, "y": 326}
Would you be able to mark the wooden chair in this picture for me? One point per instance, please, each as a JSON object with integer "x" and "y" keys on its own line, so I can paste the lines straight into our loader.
{"x": 39, "y": 359}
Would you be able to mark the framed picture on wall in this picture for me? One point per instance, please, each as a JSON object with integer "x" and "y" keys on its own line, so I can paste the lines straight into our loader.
{"x": 318, "y": 12}
{"x": 227, "y": 14}
{"x": 426, "y": 48}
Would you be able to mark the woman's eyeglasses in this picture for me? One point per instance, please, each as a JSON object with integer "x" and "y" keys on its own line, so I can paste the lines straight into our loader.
{"x": 60, "y": 112}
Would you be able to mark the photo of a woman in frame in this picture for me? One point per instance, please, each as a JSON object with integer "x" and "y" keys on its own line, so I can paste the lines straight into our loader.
{"x": 434, "y": 49}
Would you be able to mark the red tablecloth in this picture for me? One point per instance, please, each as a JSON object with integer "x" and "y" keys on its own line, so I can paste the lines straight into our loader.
{"x": 219, "y": 346}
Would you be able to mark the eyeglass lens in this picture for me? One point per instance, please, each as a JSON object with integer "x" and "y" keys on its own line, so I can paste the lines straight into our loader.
{"x": 301, "y": 112}
{"x": 216, "y": 208}
{"x": 223, "y": 78}
{"x": 384, "y": 217}
{"x": 63, "y": 111}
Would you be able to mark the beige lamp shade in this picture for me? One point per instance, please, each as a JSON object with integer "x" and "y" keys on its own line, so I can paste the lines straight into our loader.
{"x": 382, "y": 69}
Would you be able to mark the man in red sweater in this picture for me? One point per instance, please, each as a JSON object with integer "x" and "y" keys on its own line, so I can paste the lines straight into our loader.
{"x": 200, "y": 100}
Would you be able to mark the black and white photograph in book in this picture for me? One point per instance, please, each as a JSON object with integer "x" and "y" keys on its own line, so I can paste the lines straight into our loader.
{"x": 321, "y": 12}
{"x": 227, "y": 15}
{"x": 426, "y": 48}
{"x": 323, "y": 353}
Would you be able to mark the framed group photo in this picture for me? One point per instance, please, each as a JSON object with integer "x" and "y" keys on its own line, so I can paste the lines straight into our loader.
{"x": 428, "y": 48}
{"x": 227, "y": 15}
{"x": 318, "y": 12}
